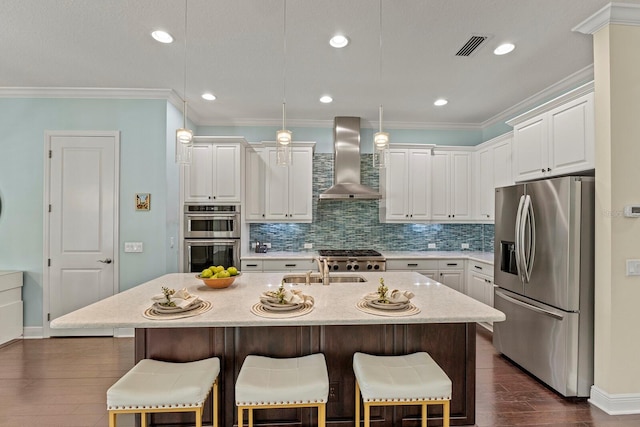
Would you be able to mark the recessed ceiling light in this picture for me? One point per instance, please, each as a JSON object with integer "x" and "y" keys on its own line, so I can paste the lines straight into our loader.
{"x": 326, "y": 99}
{"x": 440, "y": 102}
{"x": 162, "y": 36}
{"x": 208, "y": 96}
{"x": 339, "y": 41}
{"x": 503, "y": 49}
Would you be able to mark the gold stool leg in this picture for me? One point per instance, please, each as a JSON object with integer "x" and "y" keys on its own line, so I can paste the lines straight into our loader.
{"x": 357, "y": 404}
{"x": 112, "y": 419}
{"x": 445, "y": 415}
{"x": 322, "y": 415}
{"x": 240, "y": 413}
{"x": 250, "y": 417}
{"x": 198, "y": 413}
{"x": 143, "y": 419}
{"x": 424, "y": 415}
{"x": 215, "y": 403}
{"x": 367, "y": 414}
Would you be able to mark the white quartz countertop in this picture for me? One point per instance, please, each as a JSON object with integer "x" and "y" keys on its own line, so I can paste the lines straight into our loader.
{"x": 472, "y": 255}
{"x": 335, "y": 304}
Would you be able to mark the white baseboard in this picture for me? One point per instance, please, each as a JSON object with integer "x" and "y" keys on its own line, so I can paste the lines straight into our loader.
{"x": 615, "y": 404}
{"x": 32, "y": 332}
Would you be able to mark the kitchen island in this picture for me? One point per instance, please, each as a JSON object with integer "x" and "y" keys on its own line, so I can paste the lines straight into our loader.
{"x": 445, "y": 327}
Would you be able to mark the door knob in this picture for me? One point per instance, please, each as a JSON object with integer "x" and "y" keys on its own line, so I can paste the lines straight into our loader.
{"x": 105, "y": 261}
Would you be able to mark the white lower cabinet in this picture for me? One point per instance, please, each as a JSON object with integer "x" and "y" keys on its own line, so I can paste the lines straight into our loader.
{"x": 279, "y": 265}
{"x": 480, "y": 283}
{"x": 10, "y": 305}
{"x": 449, "y": 272}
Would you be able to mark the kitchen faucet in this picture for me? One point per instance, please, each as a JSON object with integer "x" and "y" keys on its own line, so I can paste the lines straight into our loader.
{"x": 323, "y": 267}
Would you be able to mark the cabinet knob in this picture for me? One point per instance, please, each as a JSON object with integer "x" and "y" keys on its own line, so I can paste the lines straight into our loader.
{"x": 548, "y": 169}
{"x": 262, "y": 215}
{"x": 453, "y": 216}
{"x": 406, "y": 216}
{"x": 542, "y": 170}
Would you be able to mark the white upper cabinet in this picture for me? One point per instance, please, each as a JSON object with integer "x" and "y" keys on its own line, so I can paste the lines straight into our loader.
{"x": 255, "y": 165}
{"x": 451, "y": 172}
{"x": 215, "y": 173}
{"x": 406, "y": 193}
{"x": 288, "y": 195}
{"x": 556, "y": 138}
{"x": 493, "y": 169}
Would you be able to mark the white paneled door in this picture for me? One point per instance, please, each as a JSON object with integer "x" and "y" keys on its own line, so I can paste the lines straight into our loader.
{"x": 82, "y": 227}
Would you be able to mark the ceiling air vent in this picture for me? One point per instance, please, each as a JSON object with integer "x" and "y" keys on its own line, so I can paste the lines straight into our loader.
{"x": 471, "y": 45}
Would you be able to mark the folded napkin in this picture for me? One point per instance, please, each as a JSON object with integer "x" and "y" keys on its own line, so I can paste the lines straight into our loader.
{"x": 181, "y": 298}
{"x": 394, "y": 296}
{"x": 289, "y": 296}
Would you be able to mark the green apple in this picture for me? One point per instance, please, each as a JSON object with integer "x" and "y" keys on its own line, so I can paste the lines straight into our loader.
{"x": 223, "y": 274}
{"x": 232, "y": 271}
{"x": 206, "y": 273}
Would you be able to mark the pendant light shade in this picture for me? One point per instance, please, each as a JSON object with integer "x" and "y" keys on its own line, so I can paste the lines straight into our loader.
{"x": 184, "y": 135}
{"x": 284, "y": 136}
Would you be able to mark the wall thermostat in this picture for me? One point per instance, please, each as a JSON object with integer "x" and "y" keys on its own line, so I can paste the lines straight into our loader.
{"x": 632, "y": 211}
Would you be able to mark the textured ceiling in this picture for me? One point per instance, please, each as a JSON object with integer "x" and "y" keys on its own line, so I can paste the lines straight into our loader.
{"x": 235, "y": 49}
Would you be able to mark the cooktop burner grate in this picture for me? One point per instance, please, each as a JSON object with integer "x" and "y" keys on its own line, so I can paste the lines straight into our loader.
{"x": 350, "y": 253}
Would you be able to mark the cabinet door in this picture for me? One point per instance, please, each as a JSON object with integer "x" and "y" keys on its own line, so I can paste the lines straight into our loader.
{"x": 476, "y": 288}
{"x": 502, "y": 170}
{"x": 277, "y": 192}
{"x": 453, "y": 279}
{"x": 254, "y": 185}
{"x": 198, "y": 183}
{"x": 530, "y": 148}
{"x": 431, "y": 274}
{"x": 226, "y": 173}
{"x": 419, "y": 188}
{"x": 460, "y": 188}
{"x": 571, "y": 136}
{"x": 440, "y": 179}
{"x": 485, "y": 184}
{"x": 300, "y": 185}
{"x": 397, "y": 188}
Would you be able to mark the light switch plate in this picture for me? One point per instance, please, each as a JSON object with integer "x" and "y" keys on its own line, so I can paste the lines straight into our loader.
{"x": 633, "y": 267}
{"x": 464, "y": 245}
{"x": 308, "y": 245}
{"x": 133, "y": 247}
{"x": 431, "y": 246}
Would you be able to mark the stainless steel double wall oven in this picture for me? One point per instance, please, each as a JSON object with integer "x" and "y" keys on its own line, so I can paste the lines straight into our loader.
{"x": 211, "y": 236}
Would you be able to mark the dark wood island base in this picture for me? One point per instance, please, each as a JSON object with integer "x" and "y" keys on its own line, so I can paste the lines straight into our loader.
{"x": 452, "y": 346}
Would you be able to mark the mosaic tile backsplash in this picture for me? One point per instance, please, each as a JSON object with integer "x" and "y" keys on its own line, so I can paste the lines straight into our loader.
{"x": 355, "y": 224}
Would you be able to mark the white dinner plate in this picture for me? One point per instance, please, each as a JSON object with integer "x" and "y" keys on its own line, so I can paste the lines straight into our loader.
{"x": 388, "y": 306}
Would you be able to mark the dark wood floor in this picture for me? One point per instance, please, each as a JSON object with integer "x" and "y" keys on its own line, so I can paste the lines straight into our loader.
{"x": 62, "y": 382}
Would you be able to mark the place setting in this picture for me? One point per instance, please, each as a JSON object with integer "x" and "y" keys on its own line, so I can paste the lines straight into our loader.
{"x": 172, "y": 304}
{"x": 388, "y": 302}
{"x": 283, "y": 303}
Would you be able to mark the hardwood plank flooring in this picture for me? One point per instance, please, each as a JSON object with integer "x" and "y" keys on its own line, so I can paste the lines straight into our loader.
{"x": 62, "y": 382}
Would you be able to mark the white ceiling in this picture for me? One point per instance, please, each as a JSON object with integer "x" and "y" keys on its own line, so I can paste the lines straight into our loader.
{"x": 235, "y": 50}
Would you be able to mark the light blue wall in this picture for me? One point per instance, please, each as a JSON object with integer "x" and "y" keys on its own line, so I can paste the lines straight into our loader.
{"x": 143, "y": 169}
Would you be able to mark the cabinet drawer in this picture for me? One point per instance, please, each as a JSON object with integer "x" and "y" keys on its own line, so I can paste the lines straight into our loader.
{"x": 481, "y": 268}
{"x": 450, "y": 264}
{"x": 289, "y": 265}
{"x": 412, "y": 264}
{"x": 251, "y": 265}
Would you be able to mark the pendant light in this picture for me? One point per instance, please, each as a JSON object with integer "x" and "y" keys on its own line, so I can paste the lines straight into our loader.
{"x": 184, "y": 135}
{"x": 283, "y": 136}
{"x": 380, "y": 138}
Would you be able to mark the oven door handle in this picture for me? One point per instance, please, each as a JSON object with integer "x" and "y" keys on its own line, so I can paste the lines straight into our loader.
{"x": 212, "y": 216}
{"x": 207, "y": 242}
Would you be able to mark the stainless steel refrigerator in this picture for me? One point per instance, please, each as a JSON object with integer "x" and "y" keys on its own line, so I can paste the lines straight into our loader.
{"x": 544, "y": 272}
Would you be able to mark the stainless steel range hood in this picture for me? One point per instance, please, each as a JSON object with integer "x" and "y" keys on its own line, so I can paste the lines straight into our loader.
{"x": 346, "y": 166}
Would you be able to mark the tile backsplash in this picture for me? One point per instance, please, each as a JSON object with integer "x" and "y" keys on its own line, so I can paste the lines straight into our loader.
{"x": 354, "y": 224}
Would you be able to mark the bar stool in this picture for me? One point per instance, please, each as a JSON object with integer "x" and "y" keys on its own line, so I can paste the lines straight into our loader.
{"x": 413, "y": 379}
{"x": 266, "y": 382}
{"x": 153, "y": 386}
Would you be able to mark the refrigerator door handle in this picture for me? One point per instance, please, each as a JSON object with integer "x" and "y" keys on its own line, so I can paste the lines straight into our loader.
{"x": 527, "y": 306}
{"x": 528, "y": 226}
{"x": 518, "y": 240}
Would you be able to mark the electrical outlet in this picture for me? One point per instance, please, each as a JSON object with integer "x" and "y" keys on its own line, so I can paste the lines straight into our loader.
{"x": 431, "y": 246}
{"x": 334, "y": 392}
{"x": 133, "y": 247}
{"x": 464, "y": 246}
{"x": 308, "y": 245}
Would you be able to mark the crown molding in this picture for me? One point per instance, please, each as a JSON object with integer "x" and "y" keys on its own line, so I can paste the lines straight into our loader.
{"x": 613, "y": 13}
{"x": 84, "y": 92}
{"x": 564, "y": 85}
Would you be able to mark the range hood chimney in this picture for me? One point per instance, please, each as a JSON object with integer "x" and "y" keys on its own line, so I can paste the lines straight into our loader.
{"x": 346, "y": 166}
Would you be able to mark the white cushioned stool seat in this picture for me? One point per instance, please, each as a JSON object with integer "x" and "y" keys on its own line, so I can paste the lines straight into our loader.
{"x": 412, "y": 379}
{"x": 266, "y": 382}
{"x": 155, "y": 386}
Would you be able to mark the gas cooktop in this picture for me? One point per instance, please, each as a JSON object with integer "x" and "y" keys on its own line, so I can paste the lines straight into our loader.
{"x": 349, "y": 253}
